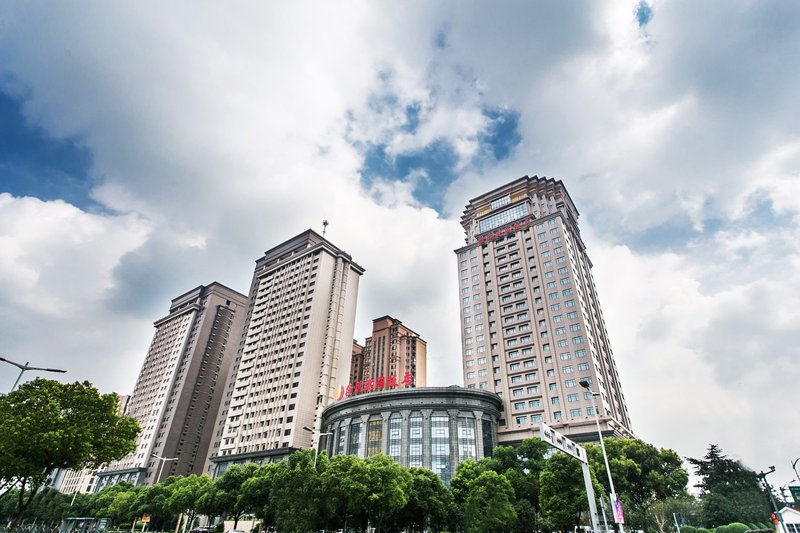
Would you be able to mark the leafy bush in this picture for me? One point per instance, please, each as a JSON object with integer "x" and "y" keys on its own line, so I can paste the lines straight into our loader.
{"x": 688, "y": 529}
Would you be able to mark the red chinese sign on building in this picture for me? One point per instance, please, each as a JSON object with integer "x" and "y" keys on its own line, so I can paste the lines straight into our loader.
{"x": 502, "y": 232}
{"x": 372, "y": 385}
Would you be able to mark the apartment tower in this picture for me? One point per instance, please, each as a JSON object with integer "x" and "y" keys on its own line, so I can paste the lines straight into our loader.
{"x": 392, "y": 350}
{"x": 532, "y": 327}
{"x": 180, "y": 386}
{"x": 294, "y": 352}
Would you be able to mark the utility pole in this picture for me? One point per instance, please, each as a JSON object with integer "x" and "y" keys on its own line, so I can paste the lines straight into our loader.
{"x": 763, "y": 477}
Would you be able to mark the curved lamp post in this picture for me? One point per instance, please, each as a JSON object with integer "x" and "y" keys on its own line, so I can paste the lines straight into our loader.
{"x": 26, "y": 367}
{"x": 316, "y": 448}
{"x": 161, "y": 468}
{"x": 585, "y": 384}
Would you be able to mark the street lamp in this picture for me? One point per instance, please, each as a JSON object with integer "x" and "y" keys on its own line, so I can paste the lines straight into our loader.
{"x": 794, "y": 467}
{"x": 161, "y": 468}
{"x": 585, "y": 384}
{"x": 763, "y": 477}
{"x": 316, "y": 448}
{"x": 23, "y": 368}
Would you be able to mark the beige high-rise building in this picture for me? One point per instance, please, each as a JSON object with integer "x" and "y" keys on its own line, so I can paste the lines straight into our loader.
{"x": 294, "y": 352}
{"x": 179, "y": 389}
{"x": 531, "y": 323}
{"x": 392, "y": 350}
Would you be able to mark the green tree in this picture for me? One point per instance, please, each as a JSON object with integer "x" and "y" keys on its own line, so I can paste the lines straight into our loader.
{"x": 387, "y": 483}
{"x": 49, "y": 425}
{"x": 117, "y": 502}
{"x": 662, "y": 512}
{"x": 345, "y": 483}
{"x": 488, "y": 506}
{"x": 521, "y": 465}
{"x": 643, "y": 475}
{"x": 428, "y": 502}
{"x": 186, "y": 494}
{"x": 225, "y": 496}
{"x": 729, "y": 492}
{"x": 256, "y": 492}
{"x": 295, "y": 493}
{"x": 154, "y": 500}
{"x": 562, "y": 492}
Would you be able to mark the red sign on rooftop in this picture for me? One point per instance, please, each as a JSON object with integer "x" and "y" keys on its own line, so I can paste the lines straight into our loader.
{"x": 506, "y": 230}
{"x": 373, "y": 385}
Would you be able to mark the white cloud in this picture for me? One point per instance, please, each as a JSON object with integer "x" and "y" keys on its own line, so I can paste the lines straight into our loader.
{"x": 217, "y": 133}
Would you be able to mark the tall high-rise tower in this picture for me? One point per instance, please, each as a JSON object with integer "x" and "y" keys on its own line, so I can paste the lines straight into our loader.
{"x": 531, "y": 323}
{"x": 392, "y": 350}
{"x": 294, "y": 352}
{"x": 179, "y": 389}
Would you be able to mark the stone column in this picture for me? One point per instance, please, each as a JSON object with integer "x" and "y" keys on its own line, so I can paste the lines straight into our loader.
{"x": 426, "y": 438}
{"x": 364, "y": 422}
{"x": 478, "y": 433}
{"x": 404, "y": 459}
{"x": 452, "y": 419}
{"x": 385, "y": 433}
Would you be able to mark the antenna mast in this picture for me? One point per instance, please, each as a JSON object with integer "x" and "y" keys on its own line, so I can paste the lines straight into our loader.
{"x": 324, "y": 226}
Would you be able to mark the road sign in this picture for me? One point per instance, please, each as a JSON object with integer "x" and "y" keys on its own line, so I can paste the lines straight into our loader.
{"x": 145, "y": 518}
{"x": 559, "y": 441}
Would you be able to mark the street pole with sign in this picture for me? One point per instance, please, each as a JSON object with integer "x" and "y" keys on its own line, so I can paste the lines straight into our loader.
{"x": 560, "y": 442}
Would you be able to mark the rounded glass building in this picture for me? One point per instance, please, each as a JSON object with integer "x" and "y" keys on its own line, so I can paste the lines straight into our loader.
{"x": 432, "y": 427}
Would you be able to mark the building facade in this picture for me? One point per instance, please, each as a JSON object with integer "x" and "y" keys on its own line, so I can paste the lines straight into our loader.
{"x": 531, "y": 324}
{"x": 179, "y": 389}
{"x": 294, "y": 352}
{"x": 435, "y": 427}
{"x": 393, "y": 349}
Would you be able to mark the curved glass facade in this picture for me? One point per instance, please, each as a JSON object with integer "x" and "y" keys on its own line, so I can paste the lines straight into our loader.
{"x": 434, "y": 428}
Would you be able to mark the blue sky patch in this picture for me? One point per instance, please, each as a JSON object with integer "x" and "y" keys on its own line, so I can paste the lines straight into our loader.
{"x": 503, "y": 133}
{"x": 33, "y": 164}
{"x": 433, "y": 168}
{"x": 644, "y": 13}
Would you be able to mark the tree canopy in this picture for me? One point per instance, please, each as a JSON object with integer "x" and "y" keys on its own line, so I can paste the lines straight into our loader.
{"x": 49, "y": 425}
{"x": 729, "y": 492}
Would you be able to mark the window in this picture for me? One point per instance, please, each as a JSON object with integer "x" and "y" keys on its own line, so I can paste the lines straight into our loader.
{"x": 567, "y": 369}
{"x": 575, "y": 412}
{"x": 554, "y": 400}
{"x": 500, "y": 202}
{"x": 503, "y": 217}
{"x": 580, "y": 353}
{"x": 522, "y": 419}
{"x": 564, "y": 281}
{"x": 569, "y": 303}
{"x": 533, "y": 389}
{"x": 531, "y": 376}
{"x": 572, "y": 397}
{"x": 574, "y": 327}
{"x": 555, "y": 307}
{"x": 567, "y": 292}
{"x": 470, "y": 375}
{"x": 536, "y": 418}
{"x": 551, "y": 373}
{"x": 557, "y": 415}
{"x": 519, "y": 405}
{"x": 516, "y": 379}
{"x": 514, "y": 366}
{"x": 564, "y": 356}
{"x": 562, "y": 343}
{"x": 577, "y": 340}
{"x": 583, "y": 366}
{"x": 516, "y": 392}
{"x": 569, "y": 383}
{"x": 534, "y": 403}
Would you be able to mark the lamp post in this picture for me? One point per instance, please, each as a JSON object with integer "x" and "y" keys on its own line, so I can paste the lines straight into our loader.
{"x": 794, "y": 467}
{"x": 161, "y": 468}
{"x": 25, "y": 367}
{"x": 763, "y": 477}
{"x": 585, "y": 384}
{"x": 316, "y": 448}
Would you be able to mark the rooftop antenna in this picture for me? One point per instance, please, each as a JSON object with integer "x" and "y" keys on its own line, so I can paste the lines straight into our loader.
{"x": 324, "y": 226}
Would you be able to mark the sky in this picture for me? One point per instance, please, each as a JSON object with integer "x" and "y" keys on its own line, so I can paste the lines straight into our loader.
{"x": 148, "y": 149}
